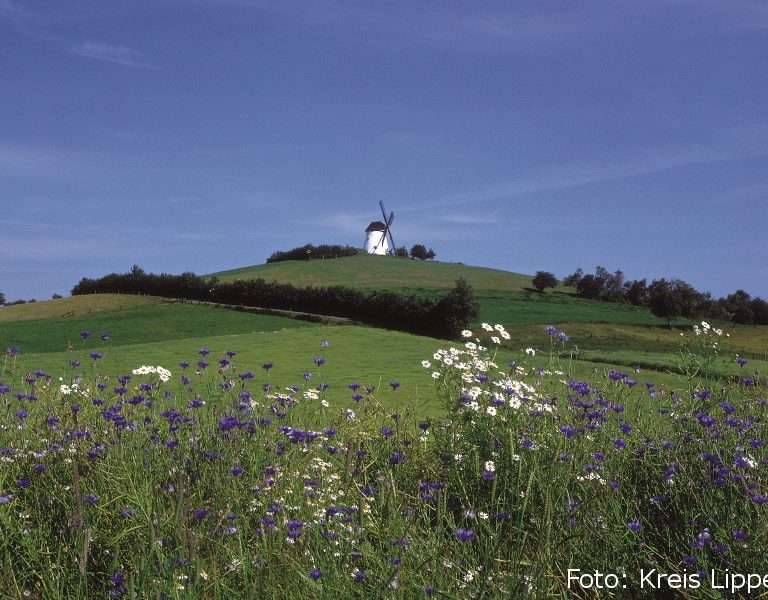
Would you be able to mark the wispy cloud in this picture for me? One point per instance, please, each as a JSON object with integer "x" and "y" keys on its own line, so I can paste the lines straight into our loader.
{"x": 427, "y": 24}
{"x": 61, "y": 163}
{"x": 460, "y": 219}
{"x": 8, "y": 8}
{"x": 341, "y": 222}
{"x": 640, "y": 163}
{"x": 120, "y": 55}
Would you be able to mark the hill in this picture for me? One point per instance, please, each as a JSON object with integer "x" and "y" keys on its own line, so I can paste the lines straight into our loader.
{"x": 381, "y": 273}
{"x": 504, "y": 296}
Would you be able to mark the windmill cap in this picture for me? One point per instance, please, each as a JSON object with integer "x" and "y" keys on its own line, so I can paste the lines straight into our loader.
{"x": 376, "y": 226}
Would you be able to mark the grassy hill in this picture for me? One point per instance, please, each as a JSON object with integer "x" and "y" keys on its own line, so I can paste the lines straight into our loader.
{"x": 381, "y": 273}
{"x": 609, "y": 332}
{"x": 72, "y": 306}
{"x": 127, "y": 320}
{"x": 504, "y": 297}
{"x": 149, "y": 331}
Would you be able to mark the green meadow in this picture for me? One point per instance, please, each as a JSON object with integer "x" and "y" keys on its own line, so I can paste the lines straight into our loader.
{"x": 287, "y": 459}
{"x": 148, "y": 330}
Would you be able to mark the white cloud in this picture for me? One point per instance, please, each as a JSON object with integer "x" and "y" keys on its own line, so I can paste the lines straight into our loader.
{"x": 460, "y": 219}
{"x": 120, "y": 55}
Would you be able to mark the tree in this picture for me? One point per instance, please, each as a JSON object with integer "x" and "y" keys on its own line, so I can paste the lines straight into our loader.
{"x": 401, "y": 252}
{"x": 739, "y": 307}
{"x": 456, "y": 310}
{"x": 589, "y": 287}
{"x": 636, "y": 292}
{"x": 671, "y": 299}
{"x": 420, "y": 252}
{"x": 760, "y": 311}
{"x": 2, "y": 298}
{"x": 573, "y": 279}
{"x": 662, "y": 301}
{"x": 544, "y": 279}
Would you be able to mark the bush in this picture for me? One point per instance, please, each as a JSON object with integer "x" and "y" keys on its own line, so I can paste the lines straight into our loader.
{"x": 420, "y": 252}
{"x": 544, "y": 279}
{"x": 309, "y": 252}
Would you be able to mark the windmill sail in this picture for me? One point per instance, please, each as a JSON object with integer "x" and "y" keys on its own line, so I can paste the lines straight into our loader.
{"x": 387, "y": 226}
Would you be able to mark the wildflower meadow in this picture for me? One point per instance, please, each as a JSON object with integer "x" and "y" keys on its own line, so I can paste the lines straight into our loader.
{"x": 209, "y": 479}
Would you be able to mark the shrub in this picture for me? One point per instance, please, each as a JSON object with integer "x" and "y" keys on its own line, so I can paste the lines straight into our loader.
{"x": 544, "y": 279}
{"x": 309, "y": 252}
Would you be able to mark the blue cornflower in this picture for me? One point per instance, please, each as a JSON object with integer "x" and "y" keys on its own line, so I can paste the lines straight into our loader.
{"x": 199, "y": 514}
{"x": 634, "y": 526}
{"x": 465, "y": 535}
{"x": 739, "y": 535}
{"x": 397, "y": 458}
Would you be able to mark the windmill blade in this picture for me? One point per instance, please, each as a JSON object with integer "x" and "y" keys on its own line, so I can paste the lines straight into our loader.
{"x": 389, "y": 231}
{"x": 387, "y": 223}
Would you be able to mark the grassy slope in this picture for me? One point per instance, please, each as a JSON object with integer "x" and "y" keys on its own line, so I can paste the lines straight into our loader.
{"x": 380, "y": 272}
{"x": 504, "y": 297}
{"x": 140, "y": 322}
{"x": 150, "y": 331}
{"x": 72, "y": 306}
{"x": 619, "y": 333}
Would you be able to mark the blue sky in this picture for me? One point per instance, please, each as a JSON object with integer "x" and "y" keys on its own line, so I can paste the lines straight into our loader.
{"x": 531, "y": 135}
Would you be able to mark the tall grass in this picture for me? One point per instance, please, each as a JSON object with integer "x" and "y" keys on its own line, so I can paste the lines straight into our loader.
{"x": 223, "y": 480}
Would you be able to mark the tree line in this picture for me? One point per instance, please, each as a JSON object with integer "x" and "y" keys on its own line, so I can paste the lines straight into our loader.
{"x": 442, "y": 317}
{"x": 308, "y": 252}
{"x": 668, "y": 298}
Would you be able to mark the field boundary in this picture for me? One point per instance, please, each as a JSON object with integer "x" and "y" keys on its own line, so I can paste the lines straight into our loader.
{"x": 273, "y": 312}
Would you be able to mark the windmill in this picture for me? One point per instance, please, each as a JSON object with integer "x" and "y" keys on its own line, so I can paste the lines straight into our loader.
{"x": 378, "y": 235}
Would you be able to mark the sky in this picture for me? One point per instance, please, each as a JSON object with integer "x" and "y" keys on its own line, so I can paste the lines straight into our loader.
{"x": 202, "y": 135}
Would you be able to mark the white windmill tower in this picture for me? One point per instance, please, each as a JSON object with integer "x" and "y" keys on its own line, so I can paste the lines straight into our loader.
{"x": 378, "y": 235}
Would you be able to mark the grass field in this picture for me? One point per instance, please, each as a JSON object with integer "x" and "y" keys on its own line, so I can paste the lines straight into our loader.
{"x": 144, "y": 323}
{"x": 380, "y": 273}
{"x": 72, "y": 307}
{"x": 479, "y": 482}
{"x": 472, "y": 484}
{"x": 504, "y": 297}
